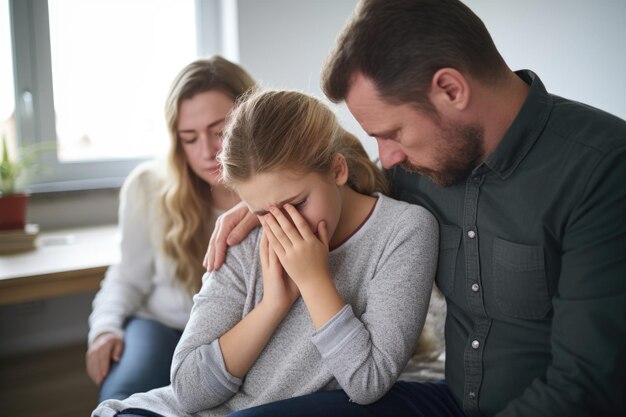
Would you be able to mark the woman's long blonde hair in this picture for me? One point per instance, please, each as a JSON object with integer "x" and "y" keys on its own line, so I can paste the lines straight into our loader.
{"x": 186, "y": 199}
{"x": 271, "y": 130}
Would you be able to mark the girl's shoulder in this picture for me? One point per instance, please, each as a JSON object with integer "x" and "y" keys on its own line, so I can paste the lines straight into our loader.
{"x": 247, "y": 250}
{"x": 241, "y": 265}
{"x": 395, "y": 221}
{"x": 393, "y": 213}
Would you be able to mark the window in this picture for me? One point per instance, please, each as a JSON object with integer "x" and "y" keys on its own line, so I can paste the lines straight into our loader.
{"x": 112, "y": 63}
{"x": 91, "y": 78}
{"x": 7, "y": 94}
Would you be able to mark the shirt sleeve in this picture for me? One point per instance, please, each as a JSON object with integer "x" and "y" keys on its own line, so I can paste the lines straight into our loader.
{"x": 367, "y": 354}
{"x": 199, "y": 377}
{"x": 126, "y": 284}
{"x": 587, "y": 373}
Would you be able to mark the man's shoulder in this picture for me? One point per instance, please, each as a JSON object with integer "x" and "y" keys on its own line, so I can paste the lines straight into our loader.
{"x": 587, "y": 127}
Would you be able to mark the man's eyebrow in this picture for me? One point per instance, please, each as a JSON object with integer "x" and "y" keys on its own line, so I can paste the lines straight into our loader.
{"x": 279, "y": 204}
{"x": 213, "y": 124}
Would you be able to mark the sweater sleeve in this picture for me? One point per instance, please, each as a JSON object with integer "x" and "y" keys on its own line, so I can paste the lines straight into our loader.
{"x": 126, "y": 284}
{"x": 199, "y": 377}
{"x": 367, "y": 354}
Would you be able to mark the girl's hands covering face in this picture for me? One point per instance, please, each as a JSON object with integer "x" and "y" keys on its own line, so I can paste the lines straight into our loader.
{"x": 303, "y": 255}
{"x": 279, "y": 291}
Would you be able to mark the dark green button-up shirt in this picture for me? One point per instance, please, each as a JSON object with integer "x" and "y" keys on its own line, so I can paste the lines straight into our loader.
{"x": 532, "y": 262}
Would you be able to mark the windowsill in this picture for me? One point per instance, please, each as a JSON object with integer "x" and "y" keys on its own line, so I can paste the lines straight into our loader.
{"x": 78, "y": 186}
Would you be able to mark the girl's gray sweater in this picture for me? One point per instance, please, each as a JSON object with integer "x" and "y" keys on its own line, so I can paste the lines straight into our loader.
{"x": 384, "y": 272}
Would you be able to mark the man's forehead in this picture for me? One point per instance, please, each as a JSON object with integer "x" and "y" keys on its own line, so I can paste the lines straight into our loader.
{"x": 366, "y": 106}
{"x": 362, "y": 88}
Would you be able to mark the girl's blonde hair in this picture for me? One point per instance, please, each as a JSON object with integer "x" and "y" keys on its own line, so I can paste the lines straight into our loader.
{"x": 186, "y": 199}
{"x": 271, "y": 130}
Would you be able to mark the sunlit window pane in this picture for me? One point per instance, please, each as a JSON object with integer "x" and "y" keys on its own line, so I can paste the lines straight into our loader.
{"x": 7, "y": 90}
{"x": 112, "y": 64}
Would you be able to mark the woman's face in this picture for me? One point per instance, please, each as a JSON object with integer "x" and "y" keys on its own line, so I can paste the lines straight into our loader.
{"x": 200, "y": 123}
{"x": 317, "y": 197}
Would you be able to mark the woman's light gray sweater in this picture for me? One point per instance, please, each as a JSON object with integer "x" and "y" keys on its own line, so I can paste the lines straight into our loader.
{"x": 384, "y": 272}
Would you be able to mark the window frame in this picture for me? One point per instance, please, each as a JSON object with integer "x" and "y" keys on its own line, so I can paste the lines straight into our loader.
{"x": 34, "y": 100}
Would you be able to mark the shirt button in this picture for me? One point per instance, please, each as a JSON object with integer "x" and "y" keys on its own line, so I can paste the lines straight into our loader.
{"x": 472, "y": 394}
{"x": 471, "y": 234}
{"x": 475, "y": 287}
{"x": 475, "y": 344}
{"x": 476, "y": 179}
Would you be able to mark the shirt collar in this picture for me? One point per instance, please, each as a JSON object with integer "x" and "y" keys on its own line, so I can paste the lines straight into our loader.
{"x": 525, "y": 129}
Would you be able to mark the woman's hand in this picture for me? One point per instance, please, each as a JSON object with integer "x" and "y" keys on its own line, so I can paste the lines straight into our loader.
{"x": 279, "y": 291}
{"x": 230, "y": 228}
{"x": 303, "y": 255}
{"x": 105, "y": 348}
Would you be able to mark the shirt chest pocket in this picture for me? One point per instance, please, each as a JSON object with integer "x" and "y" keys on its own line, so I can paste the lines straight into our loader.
{"x": 519, "y": 276}
{"x": 449, "y": 241}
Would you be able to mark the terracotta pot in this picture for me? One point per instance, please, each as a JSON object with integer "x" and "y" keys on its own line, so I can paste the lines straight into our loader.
{"x": 13, "y": 211}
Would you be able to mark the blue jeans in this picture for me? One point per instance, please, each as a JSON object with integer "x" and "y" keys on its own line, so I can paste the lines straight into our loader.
{"x": 405, "y": 399}
{"x": 145, "y": 362}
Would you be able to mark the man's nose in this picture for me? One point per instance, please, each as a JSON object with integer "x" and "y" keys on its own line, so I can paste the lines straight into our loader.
{"x": 389, "y": 153}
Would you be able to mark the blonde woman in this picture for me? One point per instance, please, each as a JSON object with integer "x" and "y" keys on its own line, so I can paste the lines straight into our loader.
{"x": 167, "y": 212}
{"x": 330, "y": 293}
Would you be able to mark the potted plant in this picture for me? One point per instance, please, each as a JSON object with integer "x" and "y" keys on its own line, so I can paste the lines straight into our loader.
{"x": 13, "y": 201}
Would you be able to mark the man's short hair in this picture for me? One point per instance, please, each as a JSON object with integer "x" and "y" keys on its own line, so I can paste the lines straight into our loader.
{"x": 401, "y": 44}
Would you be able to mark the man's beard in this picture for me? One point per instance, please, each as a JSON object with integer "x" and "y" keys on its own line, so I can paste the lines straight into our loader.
{"x": 460, "y": 149}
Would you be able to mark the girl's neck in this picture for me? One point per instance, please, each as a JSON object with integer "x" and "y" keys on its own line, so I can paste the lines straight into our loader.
{"x": 355, "y": 210}
{"x": 223, "y": 198}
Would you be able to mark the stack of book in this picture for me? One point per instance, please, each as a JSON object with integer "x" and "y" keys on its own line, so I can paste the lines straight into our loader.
{"x": 18, "y": 240}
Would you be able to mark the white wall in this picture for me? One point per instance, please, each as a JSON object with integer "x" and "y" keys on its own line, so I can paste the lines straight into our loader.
{"x": 575, "y": 46}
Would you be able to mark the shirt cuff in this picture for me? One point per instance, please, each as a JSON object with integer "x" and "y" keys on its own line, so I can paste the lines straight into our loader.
{"x": 336, "y": 332}
{"x": 222, "y": 383}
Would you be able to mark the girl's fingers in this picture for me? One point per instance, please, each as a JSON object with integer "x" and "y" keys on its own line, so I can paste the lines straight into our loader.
{"x": 263, "y": 251}
{"x": 274, "y": 243}
{"x": 277, "y": 231}
{"x": 272, "y": 259}
{"x": 302, "y": 226}
{"x": 274, "y": 262}
{"x": 286, "y": 225}
{"x": 322, "y": 232}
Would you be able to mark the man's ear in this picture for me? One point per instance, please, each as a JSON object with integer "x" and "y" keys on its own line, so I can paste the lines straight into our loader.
{"x": 449, "y": 91}
{"x": 340, "y": 169}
